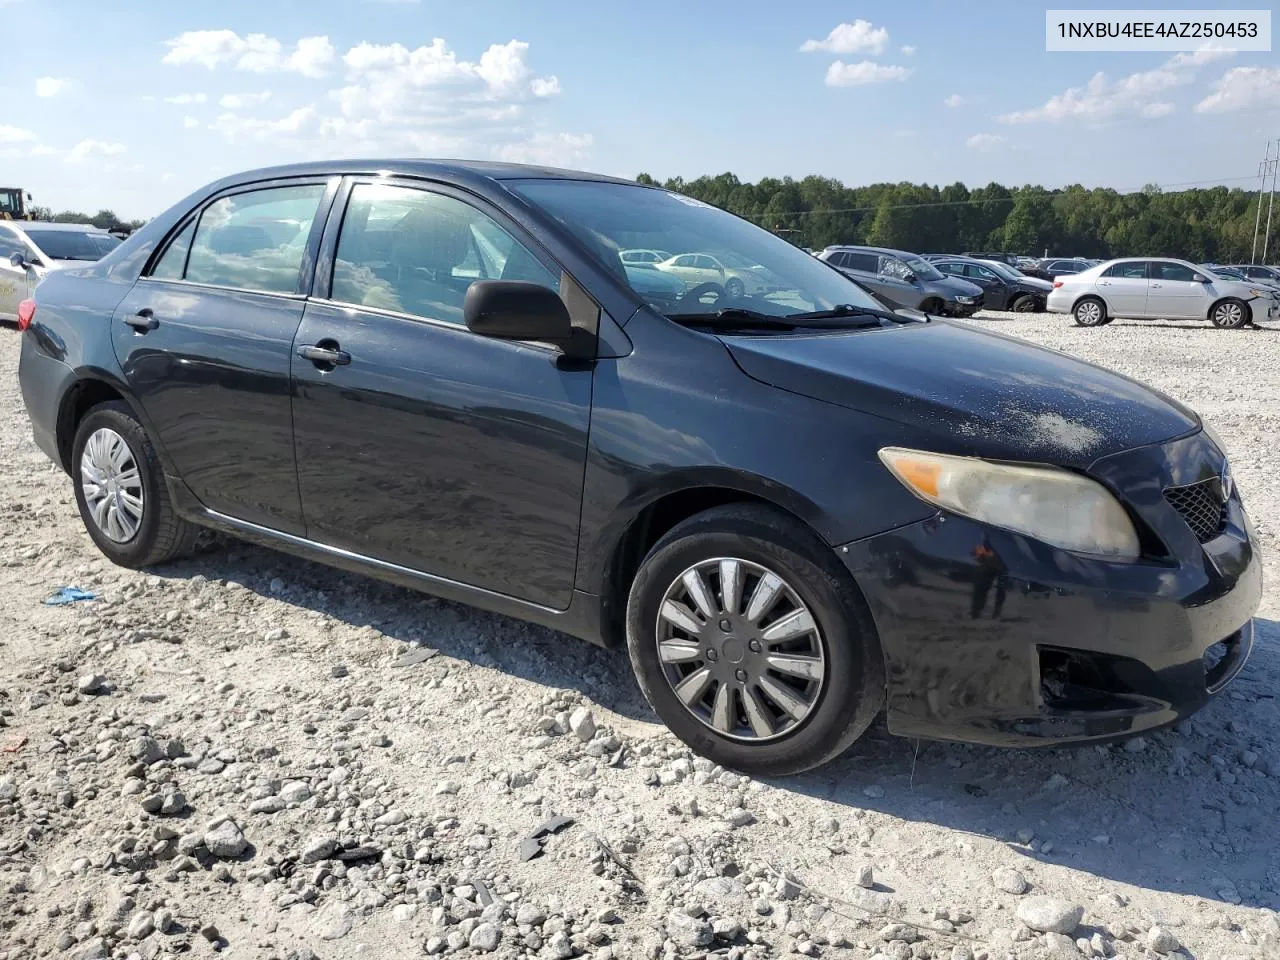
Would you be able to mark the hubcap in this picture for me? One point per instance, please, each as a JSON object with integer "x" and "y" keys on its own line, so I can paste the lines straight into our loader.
{"x": 1090, "y": 312}
{"x": 112, "y": 485}
{"x": 1229, "y": 314}
{"x": 741, "y": 650}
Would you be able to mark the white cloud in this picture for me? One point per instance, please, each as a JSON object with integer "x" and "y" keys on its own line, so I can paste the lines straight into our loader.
{"x": 908, "y": 50}
{"x": 88, "y": 149}
{"x": 50, "y": 86}
{"x": 984, "y": 141}
{"x": 234, "y": 126}
{"x": 44, "y": 150}
{"x": 10, "y": 134}
{"x": 237, "y": 101}
{"x": 545, "y": 86}
{"x": 841, "y": 74}
{"x": 548, "y": 150}
{"x": 1244, "y": 88}
{"x": 185, "y": 98}
{"x": 1137, "y": 95}
{"x": 255, "y": 52}
{"x": 190, "y": 123}
{"x": 857, "y": 37}
{"x": 955, "y": 100}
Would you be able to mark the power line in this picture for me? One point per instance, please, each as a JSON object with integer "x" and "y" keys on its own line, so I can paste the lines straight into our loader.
{"x": 972, "y": 201}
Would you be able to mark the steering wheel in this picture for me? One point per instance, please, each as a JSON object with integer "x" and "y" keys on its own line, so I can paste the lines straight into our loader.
{"x": 695, "y": 295}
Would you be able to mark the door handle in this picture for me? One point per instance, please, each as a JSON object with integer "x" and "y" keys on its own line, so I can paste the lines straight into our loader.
{"x": 1157, "y": 285}
{"x": 324, "y": 356}
{"x": 142, "y": 321}
{"x": 1104, "y": 283}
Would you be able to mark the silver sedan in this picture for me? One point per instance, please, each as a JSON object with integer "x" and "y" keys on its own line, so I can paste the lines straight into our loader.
{"x": 30, "y": 249}
{"x": 1167, "y": 289}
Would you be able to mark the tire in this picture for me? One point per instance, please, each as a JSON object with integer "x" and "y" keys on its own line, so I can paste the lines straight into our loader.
{"x": 734, "y": 288}
{"x": 1025, "y": 303}
{"x": 931, "y": 305}
{"x": 1230, "y": 314}
{"x": 841, "y": 696}
{"x": 156, "y": 533}
{"x": 1090, "y": 312}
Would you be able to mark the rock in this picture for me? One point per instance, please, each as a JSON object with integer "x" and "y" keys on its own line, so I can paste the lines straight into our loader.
{"x": 866, "y": 876}
{"x": 8, "y": 788}
{"x": 721, "y": 894}
{"x": 447, "y": 788}
{"x": 392, "y": 818}
{"x": 294, "y": 791}
{"x": 898, "y": 931}
{"x": 961, "y": 951}
{"x": 140, "y": 926}
{"x": 276, "y": 634}
{"x": 210, "y": 933}
{"x": 225, "y": 840}
{"x": 582, "y": 724}
{"x": 1136, "y": 745}
{"x": 1009, "y": 880}
{"x": 688, "y": 932}
{"x": 1059, "y": 946}
{"x": 787, "y": 889}
{"x": 334, "y": 921}
{"x": 267, "y": 805}
{"x": 739, "y": 817}
{"x": 318, "y": 847}
{"x": 1050, "y": 915}
{"x": 95, "y": 949}
{"x": 531, "y": 914}
{"x": 485, "y": 937}
{"x": 146, "y": 750}
{"x": 1162, "y": 941}
{"x": 91, "y": 683}
{"x": 173, "y": 803}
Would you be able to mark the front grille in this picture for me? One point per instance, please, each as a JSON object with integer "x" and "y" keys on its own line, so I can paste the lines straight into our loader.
{"x": 1201, "y": 506}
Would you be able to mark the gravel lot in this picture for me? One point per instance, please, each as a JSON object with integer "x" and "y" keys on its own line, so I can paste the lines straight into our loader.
{"x": 256, "y": 755}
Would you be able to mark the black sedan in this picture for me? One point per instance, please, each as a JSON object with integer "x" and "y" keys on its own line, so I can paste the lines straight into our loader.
{"x": 1003, "y": 287}
{"x": 793, "y": 508}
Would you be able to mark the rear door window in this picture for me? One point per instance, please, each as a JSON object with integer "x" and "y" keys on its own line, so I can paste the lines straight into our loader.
{"x": 255, "y": 240}
{"x": 1162, "y": 270}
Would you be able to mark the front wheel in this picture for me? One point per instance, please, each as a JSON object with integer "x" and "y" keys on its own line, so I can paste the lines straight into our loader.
{"x": 751, "y": 642}
{"x": 1230, "y": 314}
{"x": 121, "y": 492}
{"x": 734, "y": 288}
{"x": 1090, "y": 312}
{"x": 1024, "y": 304}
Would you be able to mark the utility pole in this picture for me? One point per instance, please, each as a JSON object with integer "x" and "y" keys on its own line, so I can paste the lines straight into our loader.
{"x": 1262, "y": 188}
{"x": 1275, "y": 164}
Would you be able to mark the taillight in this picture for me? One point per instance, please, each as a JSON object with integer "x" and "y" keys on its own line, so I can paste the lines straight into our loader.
{"x": 1057, "y": 284}
{"x": 26, "y": 313}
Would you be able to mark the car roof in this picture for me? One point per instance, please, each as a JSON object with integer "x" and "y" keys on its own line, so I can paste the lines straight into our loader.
{"x": 457, "y": 170}
{"x": 859, "y": 247}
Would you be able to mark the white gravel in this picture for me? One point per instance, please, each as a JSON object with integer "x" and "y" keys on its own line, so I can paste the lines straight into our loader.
{"x": 234, "y": 753}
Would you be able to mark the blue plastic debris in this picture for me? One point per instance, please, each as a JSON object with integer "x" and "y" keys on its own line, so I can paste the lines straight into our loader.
{"x": 69, "y": 595}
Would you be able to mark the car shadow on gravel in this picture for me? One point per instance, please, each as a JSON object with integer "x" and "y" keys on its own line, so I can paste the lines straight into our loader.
{"x": 1188, "y": 810}
{"x": 514, "y": 647}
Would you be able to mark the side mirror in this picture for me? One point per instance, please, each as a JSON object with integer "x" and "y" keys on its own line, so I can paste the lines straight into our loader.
{"x": 909, "y": 277}
{"x": 18, "y": 260}
{"x": 516, "y": 310}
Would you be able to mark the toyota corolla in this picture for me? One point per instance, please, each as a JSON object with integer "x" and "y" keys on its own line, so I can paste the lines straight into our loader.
{"x": 794, "y": 508}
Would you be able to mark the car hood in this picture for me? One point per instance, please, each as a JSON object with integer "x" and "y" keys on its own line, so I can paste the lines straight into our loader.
{"x": 982, "y": 394}
{"x": 955, "y": 287}
{"x": 1035, "y": 283}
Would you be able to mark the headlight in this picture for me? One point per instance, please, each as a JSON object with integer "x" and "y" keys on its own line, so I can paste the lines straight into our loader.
{"x": 1056, "y": 506}
{"x": 965, "y": 299}
{"x": 1258, "y": 293}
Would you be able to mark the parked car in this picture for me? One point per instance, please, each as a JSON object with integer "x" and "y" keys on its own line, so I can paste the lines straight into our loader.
{"x": 654, "y": 285}
{"x": 30, "y": 249}
{"x": 905, "y": 279}
{"x": 738, "y": 277}
{"x": 1003, "y": 287}
{"x": 1234, "y": 273}
{"x": 1159, "y": 289}
{"x": 1009, "y": 258}
{"x": 1063, "y": 268}
{"x": 788, "y": 508}
{"x": 644, "y": 257}
{"x": 1258, "y": 271}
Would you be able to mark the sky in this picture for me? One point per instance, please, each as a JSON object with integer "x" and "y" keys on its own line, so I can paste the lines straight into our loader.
{"x": 132, "y": 104}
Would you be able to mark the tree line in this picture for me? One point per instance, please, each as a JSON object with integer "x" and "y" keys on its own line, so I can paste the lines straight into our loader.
{"x": 103, "y": 219}
{"x": 1202, "y": 225}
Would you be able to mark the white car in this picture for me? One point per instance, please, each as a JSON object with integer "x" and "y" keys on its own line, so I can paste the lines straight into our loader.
{"x": 30, "y": 249}
{"x": 1150, "y": 288}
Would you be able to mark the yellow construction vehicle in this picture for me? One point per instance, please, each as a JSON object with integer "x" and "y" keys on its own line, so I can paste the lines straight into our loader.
{"x": 15, "y": 204}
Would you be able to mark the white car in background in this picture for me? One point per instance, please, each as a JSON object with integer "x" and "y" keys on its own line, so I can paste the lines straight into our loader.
{"x": 31, "y": 248}
{"x": 1149, "y": 288}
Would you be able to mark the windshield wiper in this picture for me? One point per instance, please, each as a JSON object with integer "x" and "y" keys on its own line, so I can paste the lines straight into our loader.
{"x": 740, "y": 318}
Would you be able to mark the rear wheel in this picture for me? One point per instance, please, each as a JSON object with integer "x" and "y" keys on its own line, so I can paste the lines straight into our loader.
{"x": 1230, "y": 314}
{"x": 752, "y": 643}
{"x": 121, "y": 492}
{"x": 1025, "y": 303}
{"x": 734, "y": 288}
{"x": 1090, "y": 312}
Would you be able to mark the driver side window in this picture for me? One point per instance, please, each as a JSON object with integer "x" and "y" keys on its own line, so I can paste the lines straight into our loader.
{"x": 893, "y": 267}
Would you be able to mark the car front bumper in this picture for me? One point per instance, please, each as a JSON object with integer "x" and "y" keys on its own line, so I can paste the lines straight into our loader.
{"x": 993, "y": 637}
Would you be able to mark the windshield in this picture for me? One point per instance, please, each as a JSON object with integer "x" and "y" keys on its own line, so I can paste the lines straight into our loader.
{"x": 73, "y": 245}
{"x": 718, "y": 261}
{"x": 1004, "y": 270}
{"x": 923, "y": 269}
{"x": 1226, "y": 273}
{"x": 11, "y": 202}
